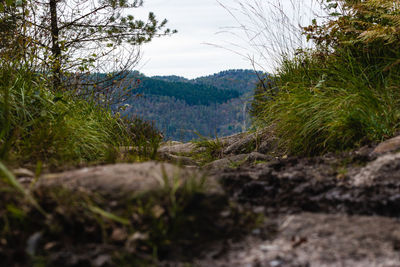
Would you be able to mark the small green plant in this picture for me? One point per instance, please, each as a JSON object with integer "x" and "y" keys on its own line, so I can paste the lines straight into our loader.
{"x": 145, "y": 137}
{"x": 237, "y": 164}
{"x": 209, "y": 149}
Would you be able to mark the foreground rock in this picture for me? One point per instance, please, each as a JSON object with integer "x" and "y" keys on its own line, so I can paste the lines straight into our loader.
{"x": 119, "y": 215}
{"x": 308, "y": 239}
{"x": 390, "y": 145}
{"x": 120, "y": 179}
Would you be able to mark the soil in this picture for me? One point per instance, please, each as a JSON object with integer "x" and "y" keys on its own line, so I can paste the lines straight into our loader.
{"x": 318, "y": 211}
{"x": 333, "y": 210}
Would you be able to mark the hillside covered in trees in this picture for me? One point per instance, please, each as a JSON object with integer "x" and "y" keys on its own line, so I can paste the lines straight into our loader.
{"x": 182, "y": 108}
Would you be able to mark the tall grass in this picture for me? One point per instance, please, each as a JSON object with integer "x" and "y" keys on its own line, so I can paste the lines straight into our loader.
{"x": 38, "y": 124}
{"x": 331, "y": 104}
{"x": 341, "y": 94}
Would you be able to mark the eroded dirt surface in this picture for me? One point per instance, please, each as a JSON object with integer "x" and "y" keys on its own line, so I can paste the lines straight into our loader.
{"x": 334, "y": 210}
{"x": 355, "y": 184}
{"x": 317, "y": 239}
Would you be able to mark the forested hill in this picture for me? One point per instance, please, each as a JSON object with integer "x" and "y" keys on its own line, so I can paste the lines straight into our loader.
{"x": 182, "y": 108}
{"x": 241, "y": 81}
{"x": 191, "y": 93}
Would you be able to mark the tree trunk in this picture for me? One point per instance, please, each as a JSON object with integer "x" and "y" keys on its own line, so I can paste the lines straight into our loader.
{"x": 55, "y": 46}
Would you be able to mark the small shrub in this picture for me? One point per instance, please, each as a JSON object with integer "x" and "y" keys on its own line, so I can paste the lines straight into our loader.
{"x": 144, "y": 136}
{"x": 209, "y": 149}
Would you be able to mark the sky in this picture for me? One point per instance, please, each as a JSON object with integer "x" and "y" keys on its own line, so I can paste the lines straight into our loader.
{"x": 210, "y": 39}
{"x": 186, "y": 53}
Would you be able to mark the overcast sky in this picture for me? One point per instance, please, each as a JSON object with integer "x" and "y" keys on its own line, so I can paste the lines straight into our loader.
{"x": 185, "y": 53}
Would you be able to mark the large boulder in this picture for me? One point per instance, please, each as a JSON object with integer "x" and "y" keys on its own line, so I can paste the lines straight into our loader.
{"x": 177, "y": 148}
{"x": 385, "y": 168}
{"x": 262, "y": 141}
{"x": 239, "y": 160}
{"x": 389, "y": 145}
{"x": 120, "y": 179}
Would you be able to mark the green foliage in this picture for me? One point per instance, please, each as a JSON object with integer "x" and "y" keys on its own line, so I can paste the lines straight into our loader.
{"x": 144, "y": 136}
{"x": 192, "y": 94}
{"x": 67, "y": 39}
{"x": 346, "y": 91}
{"x": 180, "y": 121}
{"x": 204, "y": 105}
{"x": 210, "y": 149}
{"x": 242, "y": 81}
{"x": 37, "y": 124}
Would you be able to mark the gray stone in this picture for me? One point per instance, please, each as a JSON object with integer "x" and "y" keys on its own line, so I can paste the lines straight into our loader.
{"x": 120, "y": 179}
{"x": 227, "y": 162}
{"x": 242, "y": 145}
{"x": 309, "y": 239}
{"x": 389, "y": 145}
{"x": 262, "y": 141}
{"x": 386, "y": 166}
{"x": 180, "y": 160}
{"x": 256, "y": 156}
{"x": 177, "y": 148}
{"x": 21, "y": 172}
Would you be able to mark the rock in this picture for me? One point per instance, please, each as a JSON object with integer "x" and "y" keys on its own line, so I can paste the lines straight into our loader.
{"x": 241, "y": 146}
{"x": 227, "y": 162}
{"x": 177, "y": 148}
{"x": 262, "y": 141}
{"x": 385, "y": 167}
{"x": 237, "y": 160}
{"x": 21, "y": 172}
{"x": 180, "y": 160}
{"x": 121, "y": 179}
{"x": 312, "y": 184}
{"x": 389, "y": 145}
{"x": 308, "y": 239}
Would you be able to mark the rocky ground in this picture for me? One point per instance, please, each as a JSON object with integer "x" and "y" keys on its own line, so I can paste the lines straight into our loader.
{"x": 332, "y": 210}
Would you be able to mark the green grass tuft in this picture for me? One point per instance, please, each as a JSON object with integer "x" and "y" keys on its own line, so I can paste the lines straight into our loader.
{"x": 342, "y": 94}
{"x": 37, "y": 124}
